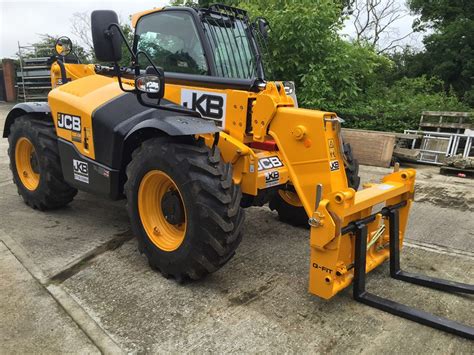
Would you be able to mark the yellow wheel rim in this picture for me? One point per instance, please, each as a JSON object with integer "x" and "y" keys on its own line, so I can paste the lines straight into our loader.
{"x": 26, "y": 162}
{"x": 290, "y": 197}
{"x": 153, "y": 188}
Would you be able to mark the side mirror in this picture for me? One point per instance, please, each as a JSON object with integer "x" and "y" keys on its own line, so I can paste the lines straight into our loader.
{"x": 63, "y": 46}
{"x": 106, "y": 38}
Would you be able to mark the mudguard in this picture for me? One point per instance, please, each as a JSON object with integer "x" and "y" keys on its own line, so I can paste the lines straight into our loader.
{"x": 117, "y": 120}
{"x": 22, "y": 109}
{"x": 177, "y": 125}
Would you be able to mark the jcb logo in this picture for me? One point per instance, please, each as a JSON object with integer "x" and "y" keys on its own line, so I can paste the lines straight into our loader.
{"x": 269, "y": 163}
{"x": 70, "y": 122}
{"x": 81, "y": 171}
{"x": 334, "y": 165}
{"x": 80, "y": 167}
{"x": 209, "y": 104}
{"x": 272, "y": 178}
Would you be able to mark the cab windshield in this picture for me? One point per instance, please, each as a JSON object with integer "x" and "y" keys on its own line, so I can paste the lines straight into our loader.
{"x": 172, "y": 41}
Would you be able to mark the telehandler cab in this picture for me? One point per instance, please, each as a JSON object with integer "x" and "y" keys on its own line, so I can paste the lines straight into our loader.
{"x": 190, "y": 135}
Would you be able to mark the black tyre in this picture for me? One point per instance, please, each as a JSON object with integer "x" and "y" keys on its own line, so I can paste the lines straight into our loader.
{"x": 290, "y": 210}
{"x": 35, "y": 164}
{"x": 183, "y": 207}
{"x": 352, "y": 167}
{"x": 287, "y": 203}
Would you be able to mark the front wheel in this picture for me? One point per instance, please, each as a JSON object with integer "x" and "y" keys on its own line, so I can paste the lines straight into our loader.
{"x": 183, "y": 207}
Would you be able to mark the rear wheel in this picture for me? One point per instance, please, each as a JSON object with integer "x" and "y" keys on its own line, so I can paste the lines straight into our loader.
{"x": 35, "y": 164}
{"x": 183, "y": 207}
{"x": 352, "y": 167}
{"x": 288, "y": 205}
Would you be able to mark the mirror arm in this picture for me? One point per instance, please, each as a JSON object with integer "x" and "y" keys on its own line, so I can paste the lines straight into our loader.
{"x": 109, "y": 33}
{"x": 137, "y": 71}
{"x": 63, "y": 71}
{"x": 149, "y": 61}
{"x": 119, "y": 77}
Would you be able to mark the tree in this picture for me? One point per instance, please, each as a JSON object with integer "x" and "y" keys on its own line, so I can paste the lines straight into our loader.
{"x": 449, "y": 50}
{"x": 374, "y": 22}
{"x": 350, "y": 78}
{"x": 45, "y": 48}
{"x": 305, "y": 47}
{"x": 203, "y": 3}
{"x": 81, "y": 27}
{"x": 342, "y": 4}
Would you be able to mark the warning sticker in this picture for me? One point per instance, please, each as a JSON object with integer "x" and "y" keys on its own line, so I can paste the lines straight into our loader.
{"x": 332, "y": 149}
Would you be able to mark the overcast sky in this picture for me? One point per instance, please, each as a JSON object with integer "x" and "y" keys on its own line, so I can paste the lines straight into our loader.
{"x": 24, "y": 20}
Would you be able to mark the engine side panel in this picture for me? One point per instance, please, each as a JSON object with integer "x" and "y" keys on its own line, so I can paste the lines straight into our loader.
{"x": 96, "y": 116}
{"x": 72, "y": 106}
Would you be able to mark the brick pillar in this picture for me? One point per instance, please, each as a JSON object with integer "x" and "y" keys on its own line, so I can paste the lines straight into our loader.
{"x": 9, "y": 76}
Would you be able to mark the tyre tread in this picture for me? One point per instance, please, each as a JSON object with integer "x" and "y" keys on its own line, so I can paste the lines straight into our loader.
{"x": 217, "y": 201}
{"x": 53, "y": 192}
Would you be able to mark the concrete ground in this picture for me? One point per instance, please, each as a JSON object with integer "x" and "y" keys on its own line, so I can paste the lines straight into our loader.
{"x": 73, "y": 281}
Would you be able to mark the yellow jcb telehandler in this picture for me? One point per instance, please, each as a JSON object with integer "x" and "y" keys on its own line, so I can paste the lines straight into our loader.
{"x": 190, "y": 134}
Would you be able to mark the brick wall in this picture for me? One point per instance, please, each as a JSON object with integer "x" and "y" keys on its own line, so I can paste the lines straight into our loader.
{"x": 9, "y": 79}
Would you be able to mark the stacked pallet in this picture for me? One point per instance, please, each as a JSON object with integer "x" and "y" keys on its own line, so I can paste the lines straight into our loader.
{"x": 370, "y": 147}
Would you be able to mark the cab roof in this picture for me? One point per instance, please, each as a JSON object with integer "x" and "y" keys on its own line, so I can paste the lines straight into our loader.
{"x": 136, "y": 16}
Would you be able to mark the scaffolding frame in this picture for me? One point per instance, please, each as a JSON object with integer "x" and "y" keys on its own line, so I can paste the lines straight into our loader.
{"x": 431, "y": 156}
{"x": 33, "y": 79}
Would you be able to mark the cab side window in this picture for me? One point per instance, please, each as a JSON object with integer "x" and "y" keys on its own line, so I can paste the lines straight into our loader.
{"x": 171, "y": 40}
